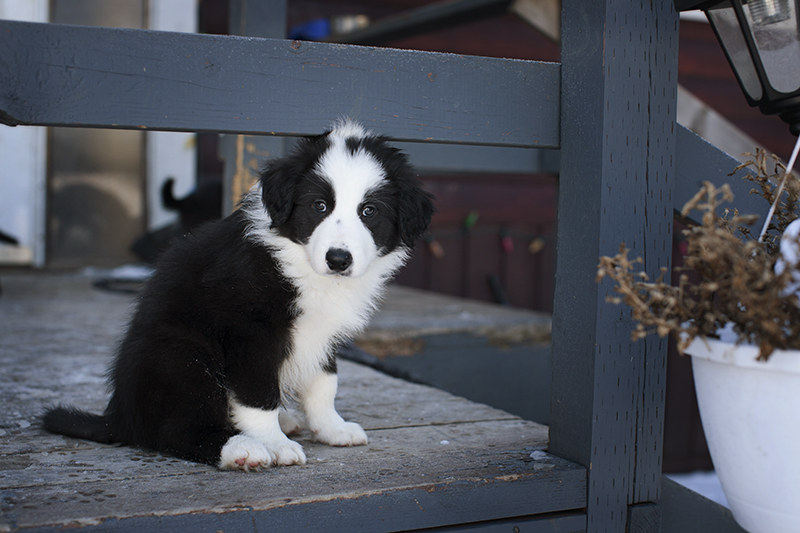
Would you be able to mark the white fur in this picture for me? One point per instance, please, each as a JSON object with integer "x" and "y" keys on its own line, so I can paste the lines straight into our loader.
{"x": 343, "y": 228}
{"x": 264, "y": 427}
{"x": 344, "y": 128}
{"x": 242, "y": 452}
{"x": 324, "y": 422}
{"x": 330, "y": 307}
{"x": 289, "y": 422}
{"x": 352, "y": 177}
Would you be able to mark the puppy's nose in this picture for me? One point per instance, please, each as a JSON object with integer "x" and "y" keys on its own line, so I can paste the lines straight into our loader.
{"x": 338, "y": 260}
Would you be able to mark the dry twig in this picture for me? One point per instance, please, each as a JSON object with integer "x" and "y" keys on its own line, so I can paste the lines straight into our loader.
{"x": 737, "y": 283}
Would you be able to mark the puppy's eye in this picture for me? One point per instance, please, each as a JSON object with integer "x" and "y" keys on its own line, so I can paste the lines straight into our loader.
{"x": 368, "y": 210}
{"x": 320, "y": 206}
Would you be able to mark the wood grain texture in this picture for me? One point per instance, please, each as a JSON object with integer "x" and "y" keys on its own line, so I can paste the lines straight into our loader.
{"x": 136, "y": 79}
{"x": 434, "y": 459}
{"x": 619, "y": 88}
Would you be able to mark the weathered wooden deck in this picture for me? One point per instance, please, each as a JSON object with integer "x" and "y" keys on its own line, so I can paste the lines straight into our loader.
{"x": 433, "y": 459}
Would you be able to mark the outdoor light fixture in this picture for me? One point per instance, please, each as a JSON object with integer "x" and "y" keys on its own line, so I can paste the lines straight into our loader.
{"x": 762, "y": 41}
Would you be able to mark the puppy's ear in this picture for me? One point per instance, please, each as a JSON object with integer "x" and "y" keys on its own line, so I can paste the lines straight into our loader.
{"x": 278, "y": 190}
{"x": 414, "y": 204}
{"x": 414, "y": 212}
{"x": 280, "y": 178}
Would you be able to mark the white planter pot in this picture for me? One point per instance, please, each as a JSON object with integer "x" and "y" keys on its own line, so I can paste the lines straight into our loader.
{"x": 751, "y": 417}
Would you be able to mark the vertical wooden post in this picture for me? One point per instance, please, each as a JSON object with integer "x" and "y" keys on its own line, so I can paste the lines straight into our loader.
{"x": 619, "y": 89}
{"x": 244, "y": 153}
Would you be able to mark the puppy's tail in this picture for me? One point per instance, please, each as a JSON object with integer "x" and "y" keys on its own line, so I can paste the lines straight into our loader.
{"x": 79, "y": 424}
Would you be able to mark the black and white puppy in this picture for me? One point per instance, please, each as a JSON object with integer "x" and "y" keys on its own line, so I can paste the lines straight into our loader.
{"x": 246, "y": 313}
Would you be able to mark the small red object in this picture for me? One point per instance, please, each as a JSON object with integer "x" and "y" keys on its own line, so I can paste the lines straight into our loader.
{"x": 508, "y": 244}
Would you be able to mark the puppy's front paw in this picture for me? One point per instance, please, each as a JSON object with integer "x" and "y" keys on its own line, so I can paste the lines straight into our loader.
{"x": 244, "y": 453}
{"x": 286, "y": 452}
{"x": 264, "y": 426}
{"x": 341, "y": 434}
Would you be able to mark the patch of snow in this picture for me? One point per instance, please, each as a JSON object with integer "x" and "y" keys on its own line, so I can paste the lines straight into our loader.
{"x": 704, "y": 483}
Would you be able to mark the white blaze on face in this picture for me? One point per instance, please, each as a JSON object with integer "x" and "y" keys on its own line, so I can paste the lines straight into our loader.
{"x": 352, "y": 177}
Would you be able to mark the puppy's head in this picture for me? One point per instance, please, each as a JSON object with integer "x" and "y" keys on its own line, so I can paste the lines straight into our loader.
{"x": 347, "y": 198}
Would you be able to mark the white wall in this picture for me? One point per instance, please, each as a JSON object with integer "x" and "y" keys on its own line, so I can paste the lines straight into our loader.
{"x": 23, "y": 170}
{"x": 169, "y": 153}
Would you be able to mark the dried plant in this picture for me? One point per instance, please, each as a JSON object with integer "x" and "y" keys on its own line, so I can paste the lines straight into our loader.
{"x": 736, "y": 279}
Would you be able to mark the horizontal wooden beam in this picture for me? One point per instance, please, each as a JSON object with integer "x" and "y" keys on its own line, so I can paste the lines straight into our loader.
{"x": 58, "y": 75}
{"x": 697, "y": 161}
{"x": 426, "y": 18}
{"x": 457, "y": 158}
{"x": 429, "y": 158}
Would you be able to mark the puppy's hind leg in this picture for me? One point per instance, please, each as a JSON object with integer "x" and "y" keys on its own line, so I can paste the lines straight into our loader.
{"x": 324, "y": 422}
{"x": 290, "y": 421}
{"x": 203, "y": 443}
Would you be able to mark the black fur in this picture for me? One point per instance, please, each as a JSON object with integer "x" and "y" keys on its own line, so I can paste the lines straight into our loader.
{"x": 215, "y": 316}
{"x": 280, "y": 186}
{"x": 201, "y": 205}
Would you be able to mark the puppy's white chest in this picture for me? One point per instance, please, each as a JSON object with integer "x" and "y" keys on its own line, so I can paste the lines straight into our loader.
{"x": 325, "y": 319}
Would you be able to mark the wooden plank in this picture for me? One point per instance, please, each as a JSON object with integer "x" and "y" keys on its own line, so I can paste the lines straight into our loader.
{"x": 562, "y": 523}
{"x": 485, "y": 352}
{"x": 370, "y": 488}
{"x": 242, "y": 522}
{"x": 433, "y": 459}
{"x": 243, "y": 155}
{"x": 644, "y": 518}
{"x": 619, "y": 67}
{"x": 698, "y": 161}
{"x": 456, "y": 158}
{"x": 433, "y": 17}
{"x": 136, "y": 79}
{"x": 688, "y": 512}
{"x": 412, "y": 313}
